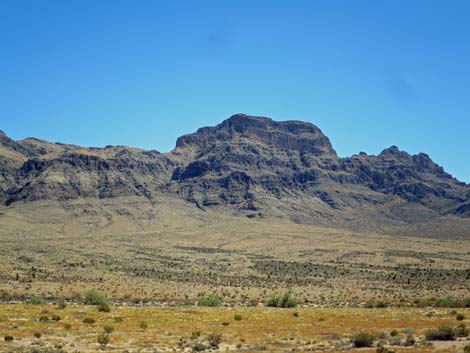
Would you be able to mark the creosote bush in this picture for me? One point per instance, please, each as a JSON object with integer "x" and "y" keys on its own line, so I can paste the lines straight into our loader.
{"x": 237, "y": 317}
{"x": 89, "y": 320}
{"x": 214, "y": 340}
{"x": 282, "y": 300}
{"x": 108, "y": 329}
{"x": 35, "y": 300}
{"x": 93, "y": 297}
{"x": 443, "y": 333}
{"x": 8, "y": 338}
{"x": 211, "y": 301}
{"x": 362, "y": 339}
{"x": 103, "y": 339}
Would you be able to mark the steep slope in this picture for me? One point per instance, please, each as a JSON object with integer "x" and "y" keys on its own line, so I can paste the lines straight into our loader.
{"x": 247, "y": 165}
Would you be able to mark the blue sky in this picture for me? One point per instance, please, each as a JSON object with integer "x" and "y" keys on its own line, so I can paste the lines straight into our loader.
{"x": 370, "y": 74}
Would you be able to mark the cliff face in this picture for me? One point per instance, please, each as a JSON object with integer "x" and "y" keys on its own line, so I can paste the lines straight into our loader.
{"x": 251, "y": 165}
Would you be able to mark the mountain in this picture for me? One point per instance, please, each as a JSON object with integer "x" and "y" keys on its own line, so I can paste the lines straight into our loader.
{"x": 250, "y": 166}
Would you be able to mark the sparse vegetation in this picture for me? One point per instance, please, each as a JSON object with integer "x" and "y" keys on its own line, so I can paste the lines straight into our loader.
{"x": 89, "y": 320}
{"x": 443, "y": 333}
{"x": 35, "y": 300}
{"x": 282, "y": 300}
{"x": 93, "y": 297}
{"x": 103, "y": 339}
{"x": 211, "y": 301}
{"x": 8, "y": 338}
{"x": 108, "y": 329}
{"x": 362, "y": 339}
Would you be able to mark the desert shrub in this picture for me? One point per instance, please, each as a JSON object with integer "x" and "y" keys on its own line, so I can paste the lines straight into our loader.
{"x": 118, "y": 319}
{"x": 37, "y": 334}
{"x": 143, "y": 325}
{"x": 108, "y": 329}
{"x": 89, "y": 320}
{"x": 198, "y": 347}
{"x": 8, "y": 338}
{"x": 56, "y": 317}
{"x": 237, "y": 317}
{"x": 67, "y": 326}
{"x": 214, "y": 340}
{"x": 225, "y": 323}
{"x": 362, "y": 339}
{"x": 443, "y": 333}
{"x": 461, "y": 331}
{"x": 384, "y": 350}
{"x": 103, "y": 339}
{"x": 61, "y": 305}
{"x": 195, "y": 335}
{"x": 211, "y": 301}
{"x": 295, "y": 314}
{"x": 410, "y": 340}
{"x": 44, "y": 318}
{"x": 460, "y": 317}
{"x": 35, "y": 300}
{"x": 282, "y": 300}
{"x": 93, "y": 297}
{"x": 394, "y": 333}
{"x": 466, "y": 349}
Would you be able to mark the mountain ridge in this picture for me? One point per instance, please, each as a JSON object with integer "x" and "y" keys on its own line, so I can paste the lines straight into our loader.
{"x": 253, "y": 166}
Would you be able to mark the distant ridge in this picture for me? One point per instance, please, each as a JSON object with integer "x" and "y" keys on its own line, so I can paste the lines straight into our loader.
{"x": 248, "y": 165}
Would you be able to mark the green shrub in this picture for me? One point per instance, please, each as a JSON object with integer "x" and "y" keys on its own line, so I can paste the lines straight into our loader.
{"x": 214, "y": 340}
{"x": 211, "y": 301}
{"x": 443, "y": 333}
{"x": 195, "y": 335}
{"x": 108, "y": 329}
{"x": 394, "y": 333}
{"x": 460, "y": 317}
{"x": 362, "y": 339}
{"x": 282, "y": 300}
{"x": 61, "y": 305}
{"x": 35, "y": 300}
{"x": 89, "y": 320}
{"x": 225, "y": 323}
{"x": 103, "y": 339}
{"x": 56, "y": 317}
{"x": 37, "y": 334}
{"x": 93, "y": 297}
{"x": 198, "y": 347}
{"x": 44, "y": 318}
{"x": 237, "y": 317}
{"x": 8, "y": 338}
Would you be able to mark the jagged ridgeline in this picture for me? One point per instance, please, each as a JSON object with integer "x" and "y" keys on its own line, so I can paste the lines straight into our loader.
{"x": 247, "y": 165}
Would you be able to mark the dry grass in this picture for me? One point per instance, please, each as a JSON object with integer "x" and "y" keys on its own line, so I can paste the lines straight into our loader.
{"x": 274, "y": 330}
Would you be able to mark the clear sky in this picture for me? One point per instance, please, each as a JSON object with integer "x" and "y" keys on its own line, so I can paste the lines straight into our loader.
{"x": 370, "y": 74}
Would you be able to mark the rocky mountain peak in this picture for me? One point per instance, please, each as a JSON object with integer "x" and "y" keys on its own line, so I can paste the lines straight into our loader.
{"x": 240, "y": 128}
